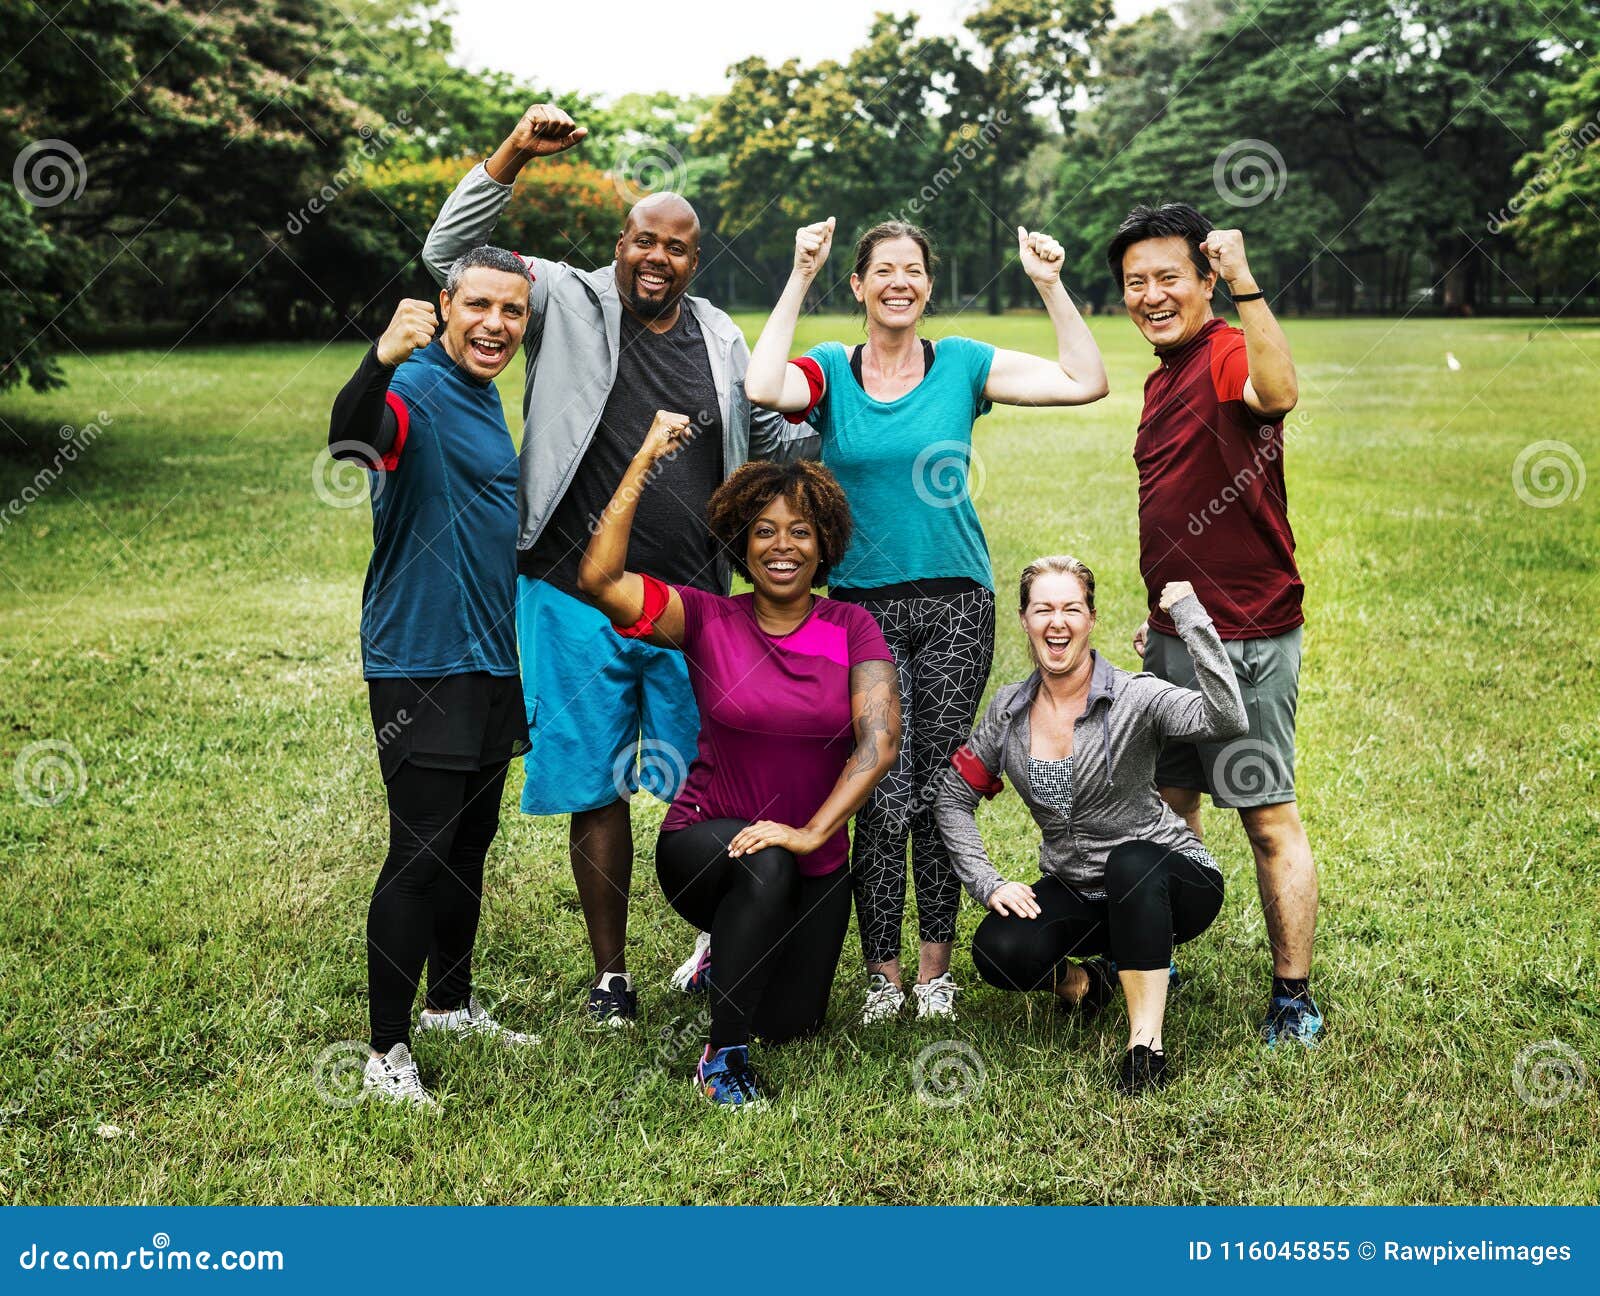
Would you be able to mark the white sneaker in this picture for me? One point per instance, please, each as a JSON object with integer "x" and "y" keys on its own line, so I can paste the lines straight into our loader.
{"x": 936, "y": 998}
{"x": 884, "y": 1000}
{"x": 691, "y": 965}
{"x": 474, "y": 1019}
{"x": 393, "y": 1078}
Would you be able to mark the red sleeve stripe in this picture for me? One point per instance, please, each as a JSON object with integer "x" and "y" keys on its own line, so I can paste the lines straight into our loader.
{"x": 657, "y": 594}
{"x": 402, "y": 416}
{"x": 976, "y": 773}
{"x": 813, "y": 372}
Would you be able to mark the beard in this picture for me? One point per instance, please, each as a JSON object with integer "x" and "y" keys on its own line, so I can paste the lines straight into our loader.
{"x": 649, "y": 307}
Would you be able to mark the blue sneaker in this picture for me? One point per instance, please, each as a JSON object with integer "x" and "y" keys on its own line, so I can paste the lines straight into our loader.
{"x": 1291, "y": 1019}
{"x": 725, "y": 1077}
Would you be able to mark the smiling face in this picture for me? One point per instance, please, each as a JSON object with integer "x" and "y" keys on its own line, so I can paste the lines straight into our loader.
{"x": 1164, "y": 292}
{"x": 484, "y": 320}
{"x": 895, "y": 285}
{"x": 657, "y": 253}
{"x": 1058, "y": 622}
{"x": 781, "y": 551}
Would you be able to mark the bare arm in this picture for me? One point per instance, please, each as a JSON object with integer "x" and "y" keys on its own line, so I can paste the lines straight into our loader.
{"x": 875, "y": 717}
{"x": 603, "y": 577}
{"x": 771, "y": 381}
{"x": 1272, "y": 389}
{"x": 1078, "y": 374}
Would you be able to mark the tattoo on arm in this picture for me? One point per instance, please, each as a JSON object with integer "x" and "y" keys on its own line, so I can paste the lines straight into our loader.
{"x": 876, "y": 687}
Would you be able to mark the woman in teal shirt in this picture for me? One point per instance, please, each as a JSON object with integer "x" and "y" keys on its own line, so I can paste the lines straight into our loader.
{"x": 895, "y": 418}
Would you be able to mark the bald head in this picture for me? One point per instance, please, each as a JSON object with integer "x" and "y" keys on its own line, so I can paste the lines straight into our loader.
{"x": 657, "y": 253}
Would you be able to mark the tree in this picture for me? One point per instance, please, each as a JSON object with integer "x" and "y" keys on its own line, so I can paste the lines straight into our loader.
{"x": 1556, "y": 213}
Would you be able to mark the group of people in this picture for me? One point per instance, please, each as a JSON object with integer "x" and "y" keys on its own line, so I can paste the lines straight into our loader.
{"x": 569, "y": 602}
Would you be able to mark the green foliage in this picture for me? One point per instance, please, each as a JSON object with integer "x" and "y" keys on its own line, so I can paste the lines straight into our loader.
{"x": 1556, "y": 214}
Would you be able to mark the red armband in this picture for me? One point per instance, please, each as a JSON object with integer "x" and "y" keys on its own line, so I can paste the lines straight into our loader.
{"x": 657, "y": 594}
{"x": 813, "y": 372}
{"x": 402, "y": 418}
{"x": 976, "y": 773}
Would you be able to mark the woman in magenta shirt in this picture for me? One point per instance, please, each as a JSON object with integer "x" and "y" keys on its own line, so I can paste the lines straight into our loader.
{"x": 799, "y": 719}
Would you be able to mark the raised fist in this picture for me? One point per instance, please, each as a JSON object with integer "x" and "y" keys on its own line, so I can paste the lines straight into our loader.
{"x": 1041, "y": 256}
{"x": 411, "y": 329}
{"x": 668, "y": 433}
{"x": 1224, "y": 248}
{"x": 546, "y": 129}
{"x": 812, "y": 244}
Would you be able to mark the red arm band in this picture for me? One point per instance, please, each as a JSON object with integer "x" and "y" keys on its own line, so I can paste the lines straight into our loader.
{"x": 656, "y": 596}
{"x": 813, "y": 372}
{"x": 402, "y": 418}
{"x": 976, "y": 773}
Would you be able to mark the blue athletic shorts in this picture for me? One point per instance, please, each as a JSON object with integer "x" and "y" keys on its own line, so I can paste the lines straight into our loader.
{"x": 606, "y": 715}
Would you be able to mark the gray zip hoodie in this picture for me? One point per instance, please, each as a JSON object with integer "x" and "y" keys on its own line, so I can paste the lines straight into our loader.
{"x": 1115, "y": 743}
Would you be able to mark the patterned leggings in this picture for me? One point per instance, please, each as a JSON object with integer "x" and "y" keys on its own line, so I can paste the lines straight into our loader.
{"x": 943, "y": 648}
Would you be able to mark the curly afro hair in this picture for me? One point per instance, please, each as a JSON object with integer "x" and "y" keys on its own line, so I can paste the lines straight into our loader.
{"x": 812, "y": 491}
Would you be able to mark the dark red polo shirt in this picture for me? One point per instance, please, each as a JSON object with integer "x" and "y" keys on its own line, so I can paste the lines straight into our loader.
{"x": 1213, "y": 509}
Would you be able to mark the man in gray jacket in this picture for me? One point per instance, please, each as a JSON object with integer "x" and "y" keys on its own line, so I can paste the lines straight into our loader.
{"x": 605, "y": 349}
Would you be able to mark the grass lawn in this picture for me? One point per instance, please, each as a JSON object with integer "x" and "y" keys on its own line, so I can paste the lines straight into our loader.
{"x": 184, "y": 931}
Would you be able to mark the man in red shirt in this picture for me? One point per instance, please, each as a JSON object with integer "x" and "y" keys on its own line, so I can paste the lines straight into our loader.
{"x": 1213, "y": 511}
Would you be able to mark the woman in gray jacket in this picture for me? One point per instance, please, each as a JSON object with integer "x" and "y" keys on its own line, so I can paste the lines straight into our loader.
{"x": 1122, "y": 874}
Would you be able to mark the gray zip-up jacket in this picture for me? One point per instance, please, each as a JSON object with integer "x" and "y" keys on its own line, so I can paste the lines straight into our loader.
{"x": 575, "y": 319}
{"x": 1115, "y": 743}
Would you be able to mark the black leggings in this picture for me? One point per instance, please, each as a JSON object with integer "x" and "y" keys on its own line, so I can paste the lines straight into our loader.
{"x": 775, "y": 935}
{"x": 1155, "y": 898}
{"x": 425, "y": 906}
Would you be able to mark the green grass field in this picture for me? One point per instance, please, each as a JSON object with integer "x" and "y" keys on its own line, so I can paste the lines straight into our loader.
{"x": 183, "y": 932}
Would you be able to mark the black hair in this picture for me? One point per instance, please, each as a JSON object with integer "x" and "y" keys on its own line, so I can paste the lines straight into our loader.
{"x": 1169, "y": 220}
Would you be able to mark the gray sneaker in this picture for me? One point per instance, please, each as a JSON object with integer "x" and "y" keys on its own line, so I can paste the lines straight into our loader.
{"x": 393, "y": 1078}
{"x": 884, "y": 1000}
{"x": 936, "y": 998}
{"x": 474, "y": 1019}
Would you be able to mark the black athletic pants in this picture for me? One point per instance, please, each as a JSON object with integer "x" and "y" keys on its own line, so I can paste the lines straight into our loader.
{"x": 775, "y": 935}
{"x": 425, "y": 907}
{"x": 1154, "y": 898}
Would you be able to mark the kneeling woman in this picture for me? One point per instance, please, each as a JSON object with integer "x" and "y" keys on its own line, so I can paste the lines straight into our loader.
{"x": 1123, "y": 875}
{"x": 799, "y": 719}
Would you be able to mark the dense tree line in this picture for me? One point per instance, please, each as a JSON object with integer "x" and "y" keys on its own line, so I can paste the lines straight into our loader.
{"x": 268, "y": 167}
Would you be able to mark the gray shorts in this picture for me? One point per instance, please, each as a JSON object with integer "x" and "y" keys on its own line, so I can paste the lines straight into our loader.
{"x": 1258, "y": 769}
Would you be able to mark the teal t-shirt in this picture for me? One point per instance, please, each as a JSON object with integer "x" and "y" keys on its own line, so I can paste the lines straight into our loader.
{"x": 904, "y": 467}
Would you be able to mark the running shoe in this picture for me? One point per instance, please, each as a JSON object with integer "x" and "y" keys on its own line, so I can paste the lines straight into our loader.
{"x": 1102, "y": 985}
{"x": 1141, "y": 1068}
{"x": 474, "y": 1019}
{"x": 1291, "y": 1019}
{"x": 936, "y": 998}
{"x": 614, "y": 1002}
{"x": 884, "y": 1000}
{"x": 393, "y": 1078}
{"x": 726, "y": 1079}
{"x": 693, "y": 974}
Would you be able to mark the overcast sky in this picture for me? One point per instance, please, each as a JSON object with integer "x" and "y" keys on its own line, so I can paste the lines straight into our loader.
{"x": 612, "y": 47}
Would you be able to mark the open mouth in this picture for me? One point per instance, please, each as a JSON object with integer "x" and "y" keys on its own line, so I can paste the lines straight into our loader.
{"x": 1057, "y": 645}
{"x": 897, "y": 305}
{"x": 486, "y": 349}
{"x": 652, "y": 281}
{"x": 781, "y": 569}
{"x": 1159, "y": 318}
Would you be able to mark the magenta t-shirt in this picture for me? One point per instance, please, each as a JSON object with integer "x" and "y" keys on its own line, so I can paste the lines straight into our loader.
{"x": 775, "y": 727}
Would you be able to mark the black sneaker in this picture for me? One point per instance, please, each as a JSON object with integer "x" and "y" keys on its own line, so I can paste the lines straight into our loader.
{"x": 1141, "y": 1069}
{"x": 613, "y": 1002}
{"x": 1102, "y": 985}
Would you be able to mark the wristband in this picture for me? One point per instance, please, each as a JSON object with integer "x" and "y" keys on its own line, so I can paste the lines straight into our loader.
{"x": 1255, "y": 296}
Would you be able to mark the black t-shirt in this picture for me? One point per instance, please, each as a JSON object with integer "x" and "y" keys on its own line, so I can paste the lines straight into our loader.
{"x": 671, "y": 541}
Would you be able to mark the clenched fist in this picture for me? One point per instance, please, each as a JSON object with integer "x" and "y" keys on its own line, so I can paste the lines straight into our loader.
{"x": 812, "y": 244}
{"x": 544, "y": 130}
{"x": 1041, "y": 256}
{"x": 411, "y": 329}
{"x": 668, "y": 433}
{"x": 1224, "y": 248}
{"x": 1173, "y": 591}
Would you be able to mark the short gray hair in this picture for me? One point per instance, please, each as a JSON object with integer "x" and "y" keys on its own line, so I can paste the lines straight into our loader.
{"x": 487, "y": 257}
